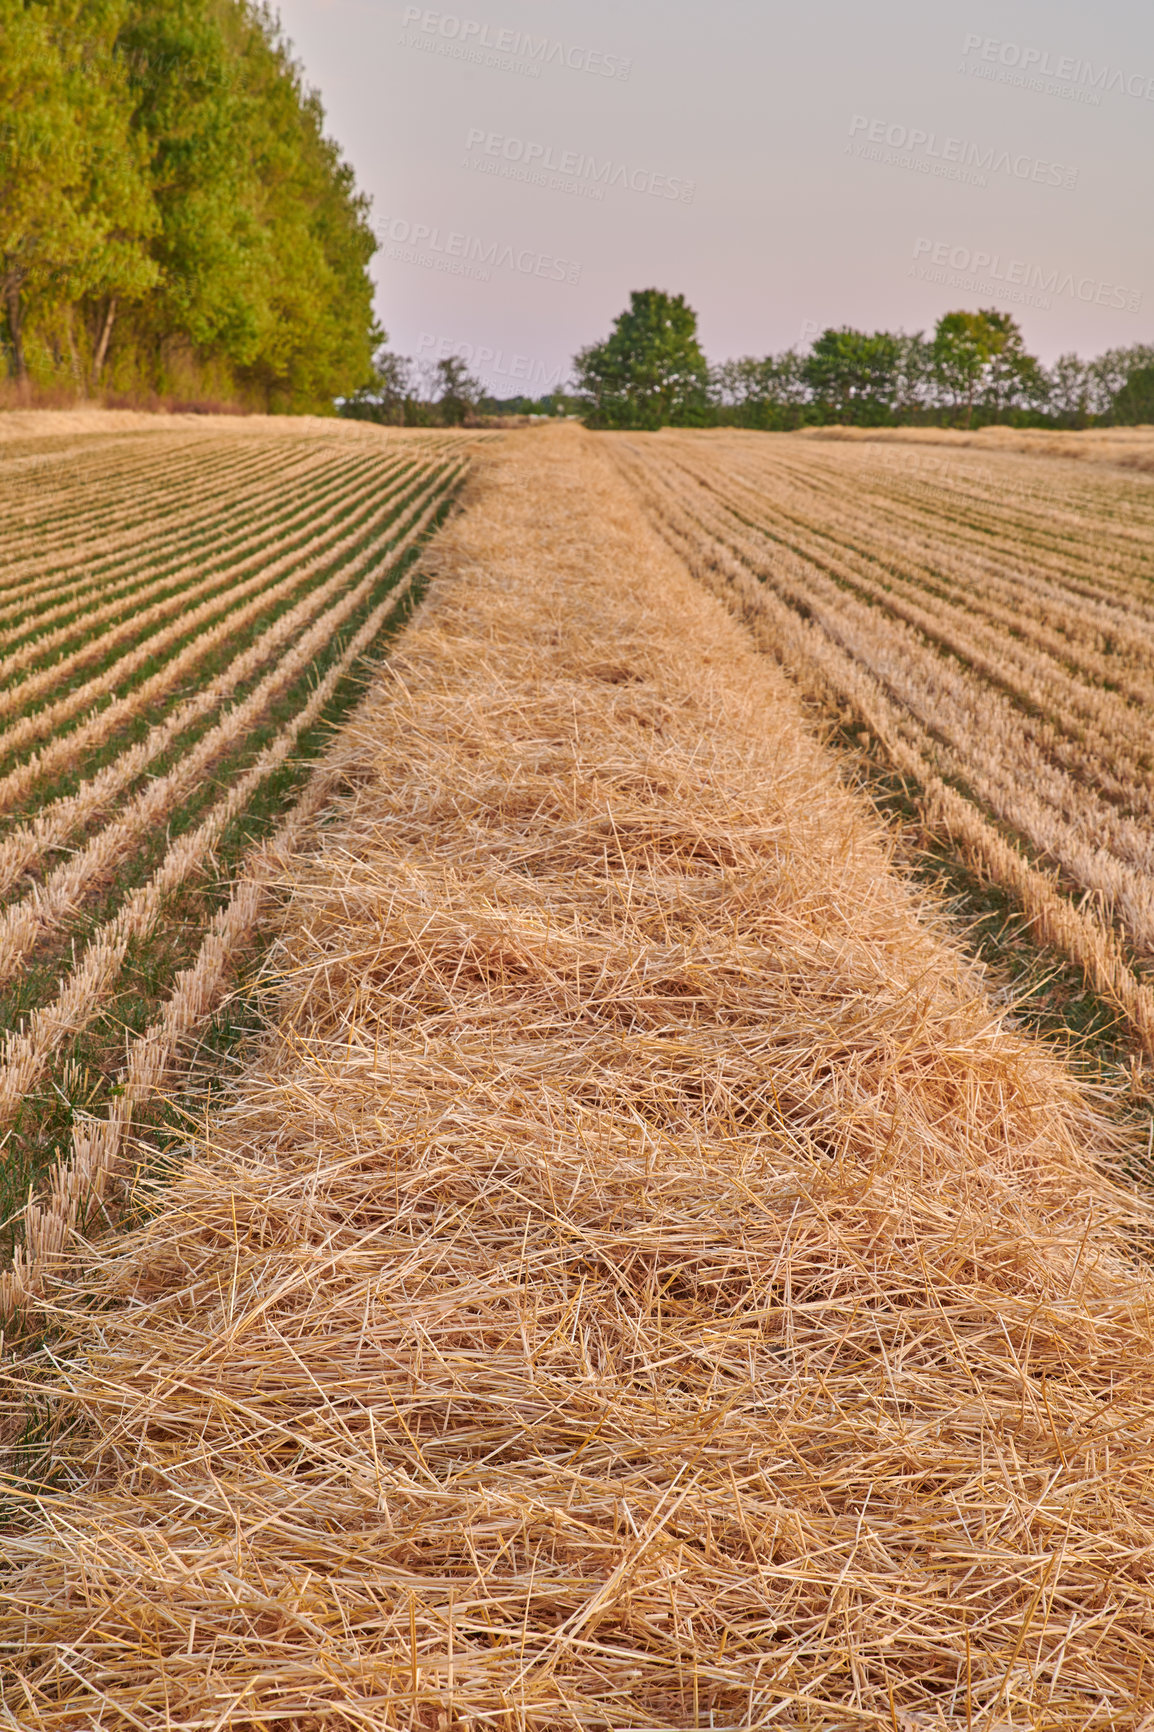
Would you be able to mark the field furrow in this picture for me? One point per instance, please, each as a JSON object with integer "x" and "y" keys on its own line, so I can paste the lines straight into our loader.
{"x": 973, "y": 693}
{"x": 912, "y": 582}
{"x": 24, "y": 1055}
{"x": 26, "y": 845}
{"x": 78, "y": 1182}
{"x": 250, "y": 482}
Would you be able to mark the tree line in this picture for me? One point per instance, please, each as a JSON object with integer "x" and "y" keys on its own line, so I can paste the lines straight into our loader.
{"x": 442, "y": 393}
{"x": 173, "y": 218}
{"x": 972, "y": 370}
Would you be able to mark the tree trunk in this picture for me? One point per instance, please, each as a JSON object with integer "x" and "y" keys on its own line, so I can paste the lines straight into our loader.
{"x": 74, "y": 359}
{"x": 102, "y": 345}
{"x": 15, "y": 329}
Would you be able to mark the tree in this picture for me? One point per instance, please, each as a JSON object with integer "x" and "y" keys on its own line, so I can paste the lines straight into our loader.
{"x": 170, "y": 207}
{"x": 264, "y": 242}
{"x": 650, "y": 371}
{"x": 1064, "y": 392}
{"x": 770, "y": 393}
{"x": 914, "y": 378}
{"x": 981, "y": 356}
{"x": 75, "y": 203}
{"x": 853, "y": 376}
{"x": 960, "y": 355}
{"x": 1013, "y": 378}
{"x": 1107, "y": 374}
{"x": 385, "y": 398}
{"x": 458, "y": 393}
{"x": 1134, "y": 403}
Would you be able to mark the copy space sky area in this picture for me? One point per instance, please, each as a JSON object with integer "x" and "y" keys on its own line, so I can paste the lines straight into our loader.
{"x": 786, "y": 167}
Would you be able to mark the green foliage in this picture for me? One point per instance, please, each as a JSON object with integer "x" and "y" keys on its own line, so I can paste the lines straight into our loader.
{"x": 75, "y": 210}
{"x": 975, "y": 366}
{"x": 982, "y": 356}
{"x": 1069, "y": 389}
{"x": 650, "y": 372}
{"x": 1134, "y": 403}
{"x": 388, "y": 396}
{"x": 854, "y": 375}
{"x": 458, "y": 393}
{"x": 393, "y": 397}
{"x": 772, "y": 394}
{"x": 553, "y": 403}
{"x": 173, "y": 216}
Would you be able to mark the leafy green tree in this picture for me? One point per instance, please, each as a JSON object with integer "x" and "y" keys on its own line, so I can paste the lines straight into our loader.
{"x": 1107, "y": 373}
{"x": 771, "y": 393}
{"x": 171, "y": 210}
{"x": 458, "y": 393}
{"x": 1013, "y": 377}
{"x": 1067, "y": 390}
{"x": 961, "y": 351}
{"x": 981, "y": 357}
{"x": 853, "y": 375}
{"x": 76, "y": 208}
{"x": 914, "y": 377}
{"x": 1134, "y": 403}
{"x": 264, "y": 242}
{"x": 650, "y": 371}
{"x": 387, "y": 395}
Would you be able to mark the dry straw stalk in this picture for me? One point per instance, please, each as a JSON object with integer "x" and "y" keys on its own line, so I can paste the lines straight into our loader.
{"x": 638, "y": 1283}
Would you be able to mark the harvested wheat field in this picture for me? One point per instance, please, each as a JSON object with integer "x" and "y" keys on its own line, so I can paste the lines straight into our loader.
{"x": 637, "y": 1282}
{"x": 187, "y": 609}
{"x": 1120, "y": 447}
{"x": 987, "y": 619}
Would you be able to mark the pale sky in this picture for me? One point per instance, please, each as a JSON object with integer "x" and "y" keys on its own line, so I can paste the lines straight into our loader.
{"x": 784, "y": 167}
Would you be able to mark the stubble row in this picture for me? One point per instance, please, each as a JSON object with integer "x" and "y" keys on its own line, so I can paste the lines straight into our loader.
{"x": 142, "y": 798}
{"x": 1023, "y": 751}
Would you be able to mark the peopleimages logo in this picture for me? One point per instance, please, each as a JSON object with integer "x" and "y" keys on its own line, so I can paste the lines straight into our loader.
{"x": 1038, "y": 69}
{"x": 504, "y": 49}
{"x": 499, "y": 370}
{"x": 951, "y": 158}
{"x": 1011, "y": 279}
{"x": 570, "y": 171}
{"x": 463, "y": 255}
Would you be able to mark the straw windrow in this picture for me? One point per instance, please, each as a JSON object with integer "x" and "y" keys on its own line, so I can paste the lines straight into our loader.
{"x": 638, "y": 1283}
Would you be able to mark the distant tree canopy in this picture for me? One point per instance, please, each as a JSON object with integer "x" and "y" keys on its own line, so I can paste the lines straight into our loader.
{"x": 441, "y": 393}
{"x": 405, "y": 393}
{"x": 1134, "y": 403}
{"x": 173, "y": 218}
{"x": 650, "y": 371}
{"x": 852, "y": 375}
{"x": 974, "y": 369}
